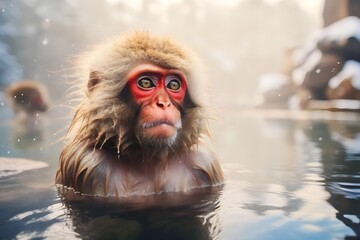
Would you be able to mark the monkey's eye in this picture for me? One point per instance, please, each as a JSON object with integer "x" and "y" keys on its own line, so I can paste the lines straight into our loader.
{"x": 174, "y": 85}
{"x": 145, "y": 83}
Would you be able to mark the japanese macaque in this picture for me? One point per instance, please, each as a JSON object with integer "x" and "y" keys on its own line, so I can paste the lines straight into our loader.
{"x": 138, "y": 130}
{"x": 28, "y": 99}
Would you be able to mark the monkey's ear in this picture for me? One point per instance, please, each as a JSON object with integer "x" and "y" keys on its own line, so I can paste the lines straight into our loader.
{"x": 94, "y": 79}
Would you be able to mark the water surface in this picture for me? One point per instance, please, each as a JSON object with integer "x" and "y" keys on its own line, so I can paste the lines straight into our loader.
{"x": 288, "y": 176}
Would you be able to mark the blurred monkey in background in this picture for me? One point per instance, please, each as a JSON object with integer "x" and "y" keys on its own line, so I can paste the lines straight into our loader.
{"x": 28, "y": 100}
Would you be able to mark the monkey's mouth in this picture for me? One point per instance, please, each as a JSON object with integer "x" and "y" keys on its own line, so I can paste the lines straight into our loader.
{"x": 159, "y": 132}
{"x": 165, "y": 123}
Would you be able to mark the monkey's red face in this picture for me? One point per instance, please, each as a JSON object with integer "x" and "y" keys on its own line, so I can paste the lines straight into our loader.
{"x": 158, "y": 91}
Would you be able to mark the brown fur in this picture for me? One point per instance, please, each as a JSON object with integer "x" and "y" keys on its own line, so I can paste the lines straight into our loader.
{"x": 22, "y": 94}
{"x": 103, "y": 156}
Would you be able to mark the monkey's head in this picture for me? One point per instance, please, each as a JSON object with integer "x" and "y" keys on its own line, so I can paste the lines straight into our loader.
{"x": 28, "y": 96}
{"x": 138, "y": 93}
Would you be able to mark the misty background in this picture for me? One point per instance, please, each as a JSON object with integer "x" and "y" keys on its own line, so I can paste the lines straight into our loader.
{"x": 237, "y": 41}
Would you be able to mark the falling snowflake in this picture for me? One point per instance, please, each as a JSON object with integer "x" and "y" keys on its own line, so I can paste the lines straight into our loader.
{"x": 45, "y": 41}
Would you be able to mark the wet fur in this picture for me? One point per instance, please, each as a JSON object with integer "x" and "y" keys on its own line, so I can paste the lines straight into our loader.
{"x": 104, "y": 156}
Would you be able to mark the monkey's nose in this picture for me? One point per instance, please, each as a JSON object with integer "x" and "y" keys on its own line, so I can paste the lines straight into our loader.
{"x": 163, "y": 103}
{"x": 163, "y": 100}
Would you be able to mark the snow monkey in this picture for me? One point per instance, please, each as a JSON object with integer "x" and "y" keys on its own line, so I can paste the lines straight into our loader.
{"x": 138, "y": 130}
{"x": 28, "y": 99}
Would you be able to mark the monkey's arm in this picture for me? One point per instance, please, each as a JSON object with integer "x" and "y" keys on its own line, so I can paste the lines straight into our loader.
{"x": 77, "y": 167}
{"x": 206, "y": 167}
{"x": 95, "y": 172}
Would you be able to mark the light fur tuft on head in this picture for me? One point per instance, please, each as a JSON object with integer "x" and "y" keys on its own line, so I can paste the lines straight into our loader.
{"x": 115, "y": 57}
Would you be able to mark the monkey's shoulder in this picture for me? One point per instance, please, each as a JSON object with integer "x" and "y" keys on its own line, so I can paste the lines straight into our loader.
{"x": 205, "y": 167}
{"x": 102, "y": 173}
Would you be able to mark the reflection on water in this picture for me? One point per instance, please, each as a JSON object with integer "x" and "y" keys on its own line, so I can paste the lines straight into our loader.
{"x": 342, "y": 170}
{"x": 287, "y": 177}
{"x": 25, "y": 137}
{"x": 89, "y": 218}
{"x": 35, "y": 217}
{"x": 168, "y": 216}
{"x": 286, "y": 170}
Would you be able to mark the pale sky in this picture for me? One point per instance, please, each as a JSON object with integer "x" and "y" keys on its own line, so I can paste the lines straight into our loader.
{"x": 312, "y": 6}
